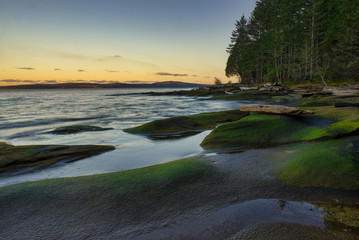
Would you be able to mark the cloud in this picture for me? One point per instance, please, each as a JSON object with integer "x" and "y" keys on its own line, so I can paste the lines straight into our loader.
{"x": 99, "y": 81}
{"x": 26, "y": 68}
{"x": 81, "y": 70}
{"x": 171, "y": 74}
{"x": 51, "y": 81}
{"x": 11, "y": 80}
{"x": 117, "y": 56}
{"x": 18, "y": 81}
{"x": 53, "y": 52}
{"x": 57, "y": 69}
{"x": 30, "y": 81}
{"x": 103, "y": 81}
{"x": 207, "y": 77}
{"x": 112, "y": 71}
{"x": 138, "y": 82}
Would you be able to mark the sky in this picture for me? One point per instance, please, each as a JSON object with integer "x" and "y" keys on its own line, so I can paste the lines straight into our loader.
{"x": 53, "y": 41}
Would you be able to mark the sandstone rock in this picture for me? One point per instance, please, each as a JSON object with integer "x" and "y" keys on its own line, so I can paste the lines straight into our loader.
{"x": 273, "y": 109}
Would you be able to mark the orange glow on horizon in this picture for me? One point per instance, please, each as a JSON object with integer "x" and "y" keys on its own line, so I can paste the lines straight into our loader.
{"x": 54, "y": 41}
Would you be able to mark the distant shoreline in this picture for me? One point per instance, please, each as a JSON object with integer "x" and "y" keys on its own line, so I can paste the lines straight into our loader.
{"x": 169, "y": 84}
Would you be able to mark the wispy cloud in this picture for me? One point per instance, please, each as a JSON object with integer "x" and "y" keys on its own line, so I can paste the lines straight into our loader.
{"x": 51, "y": 81}
{"x": 171, "y": 74}
{"x": 135, "y": 61}
{"x": 98, "y": 81}
{"x": 26, "y": 68}
{"x": 11, "y": 80}
{"x": 103, "y": 81}
{"x": 54, "y": 52}
{"x": 79, "y": 56}
{"x": 138, "y": 82}
{"x": 18, "y": 81}
{"x": 112, "y": 71}
{"x": 57, "y": 69}
{"x": 30, "y": 81}
{"x": 81, "y": 70}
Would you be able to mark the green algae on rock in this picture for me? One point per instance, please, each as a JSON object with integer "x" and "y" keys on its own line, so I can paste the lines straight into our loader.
{"x": 325, "y": 100}
{"x": 341, "y": 218}
{"x": 338, "y": 114}
{"x": 334, "y": 130}
{"x": 77, "y": 129}
{"x": 17, "y": 157}
{"x": 134, "y": 187}
{"x": 195, "y": 122}
{"x": 257, "y": 131}
{"x": 254, "y": 131}
{"x": 331, "y": 164}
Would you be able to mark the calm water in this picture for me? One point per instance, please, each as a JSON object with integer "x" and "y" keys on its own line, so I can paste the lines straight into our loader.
{"x": 237, "y": 217}
{"x": 27, "y": 116}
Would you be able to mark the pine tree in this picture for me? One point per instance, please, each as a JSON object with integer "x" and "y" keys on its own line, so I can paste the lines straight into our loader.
{"x": 296, "y": 40}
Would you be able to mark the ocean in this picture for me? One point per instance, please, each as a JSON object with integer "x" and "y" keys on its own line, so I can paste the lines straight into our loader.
{"x": 28, "y": 116}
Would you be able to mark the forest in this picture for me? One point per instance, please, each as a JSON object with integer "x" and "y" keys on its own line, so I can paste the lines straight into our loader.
{"x": 296, "y": 41}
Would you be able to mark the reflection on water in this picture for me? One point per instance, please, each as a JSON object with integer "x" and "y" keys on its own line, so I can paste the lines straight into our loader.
{"x": 172, "y": 136}
{"x": 137, "y": 152}
{"x": 237, "y": 217}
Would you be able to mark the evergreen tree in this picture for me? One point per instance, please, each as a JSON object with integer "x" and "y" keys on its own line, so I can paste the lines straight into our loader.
{"x": 296, "y": 41}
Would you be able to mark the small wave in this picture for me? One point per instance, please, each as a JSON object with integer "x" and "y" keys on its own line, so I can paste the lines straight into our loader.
{"x": 25, "y": 134}
{"x": 14, "y": 99}
{"x": 123, "y": 94}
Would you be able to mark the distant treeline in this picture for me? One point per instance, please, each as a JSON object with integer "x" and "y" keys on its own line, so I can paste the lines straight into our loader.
{"x": 296, "y": 41}
{"x": 167, "y": 84}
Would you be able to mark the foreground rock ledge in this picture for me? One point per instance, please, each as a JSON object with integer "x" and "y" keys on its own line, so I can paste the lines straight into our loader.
{"x": 18, "y": 157}
{"x": 273, "y": 109}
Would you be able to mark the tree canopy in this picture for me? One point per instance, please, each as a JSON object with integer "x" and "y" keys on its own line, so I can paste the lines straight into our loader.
{"x": 296, "y": 41}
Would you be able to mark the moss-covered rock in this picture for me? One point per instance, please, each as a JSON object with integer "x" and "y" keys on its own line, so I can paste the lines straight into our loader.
{"x": 341, "y": 218}
{"x": 195, "y": 122}
{"x": 257, "y": 131}
{"x": 325, "y": 100}
{"x": 335, "y": 130}
{"x": 254, "y": 131}
{"x": 332, "y": 164}
{"x": 17, "y": 157}
{"x": 138, "y": 186}
{"x": 338, "y": 114}
{"x": 78, "y": 129}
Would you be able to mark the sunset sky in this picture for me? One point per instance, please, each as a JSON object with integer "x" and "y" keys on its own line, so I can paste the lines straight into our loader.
{"x": 116, "y": 40}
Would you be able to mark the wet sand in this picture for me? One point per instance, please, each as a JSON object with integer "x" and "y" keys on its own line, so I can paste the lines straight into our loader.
{"x": 284, "y": 231}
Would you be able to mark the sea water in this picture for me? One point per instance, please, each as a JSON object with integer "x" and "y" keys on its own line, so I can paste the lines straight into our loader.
{"x": 28, "y": 117}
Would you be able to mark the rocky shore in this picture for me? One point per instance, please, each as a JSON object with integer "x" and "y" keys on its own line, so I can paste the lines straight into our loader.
{"x": 32, "y": 157}
{"x": 256, "y": 159}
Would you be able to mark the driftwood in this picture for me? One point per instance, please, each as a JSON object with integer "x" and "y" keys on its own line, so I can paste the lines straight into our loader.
{"x": 345, "y": 90}
{"x": 273, "y": 109}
